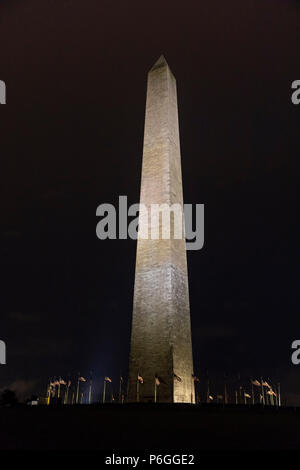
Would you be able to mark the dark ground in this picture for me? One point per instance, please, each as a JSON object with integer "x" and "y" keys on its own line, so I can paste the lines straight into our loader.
{"x": 149, "y": 427}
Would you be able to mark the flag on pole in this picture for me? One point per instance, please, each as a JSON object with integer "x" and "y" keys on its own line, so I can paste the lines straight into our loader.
{"x": 210, "y": 397}
{"x": 256, "y": 383}
{"x": 157, "y": 381}
{"x": 62, "y": 382}
{"x": 179, "y": 379}
{"x": 265, "y": 384}
{"x": 140, "y": 379}
{"x": 81, "y": 379}
{"x": 107, "y": 379}
{"x": 247, "y": 395}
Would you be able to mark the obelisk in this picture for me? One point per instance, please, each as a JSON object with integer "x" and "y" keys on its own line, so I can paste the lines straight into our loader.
{"x": 161, "y": 346}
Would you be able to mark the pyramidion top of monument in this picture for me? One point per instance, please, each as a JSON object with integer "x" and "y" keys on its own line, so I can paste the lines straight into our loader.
{"x": 161, "y": 62}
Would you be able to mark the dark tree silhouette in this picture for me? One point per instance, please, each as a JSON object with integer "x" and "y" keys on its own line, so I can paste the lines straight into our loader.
{"x": 8, "y": 397}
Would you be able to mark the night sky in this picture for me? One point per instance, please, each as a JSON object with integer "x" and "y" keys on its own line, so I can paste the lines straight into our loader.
{"x": 71, "y": 137}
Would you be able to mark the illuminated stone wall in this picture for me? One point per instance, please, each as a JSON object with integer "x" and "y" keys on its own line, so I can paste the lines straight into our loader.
{"x": 161, "y": 333}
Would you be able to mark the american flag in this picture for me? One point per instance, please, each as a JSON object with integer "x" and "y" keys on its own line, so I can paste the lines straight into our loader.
{"x": 265, "y": 384}
{"x": 256, "y": 383}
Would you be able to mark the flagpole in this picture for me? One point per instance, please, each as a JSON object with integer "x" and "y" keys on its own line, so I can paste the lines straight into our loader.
{"x": 154, "y": 390}
{"x": 279, "y": 395}
{"x": 236, "y": 397}
{"x": 276, "y": 397}
{"x": 104, "y": 390}
{"x": 271, "y": 401}
{"x": 58, "y": 391}
{"x": 66, "y": 396}
{"x": 90, "y": 388}
{"x": 120, "y": 391}
{"x": 48, "y": 394}
{"x": 77, "y": 392}
{"x": 207, "y": 398}
{"x": 252, "y": 391}
{"x": 49, "y": 391}
{"x": 138, "y": 388}
{"x": 54, "y": 386}
{"x": 262, "y": 392}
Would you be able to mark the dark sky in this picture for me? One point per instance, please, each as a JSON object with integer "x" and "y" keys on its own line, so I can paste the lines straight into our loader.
{"x": 71, "y": 138}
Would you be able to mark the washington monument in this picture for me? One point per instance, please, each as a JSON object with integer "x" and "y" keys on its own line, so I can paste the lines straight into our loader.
{"x": 161, "y": 362}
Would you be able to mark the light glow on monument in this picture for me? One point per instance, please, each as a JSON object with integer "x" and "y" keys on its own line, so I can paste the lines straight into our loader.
{"x": 161, "y": 344}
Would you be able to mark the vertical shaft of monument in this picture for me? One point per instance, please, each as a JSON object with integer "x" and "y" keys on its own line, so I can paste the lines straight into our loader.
{"x": 161, "y": 334}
